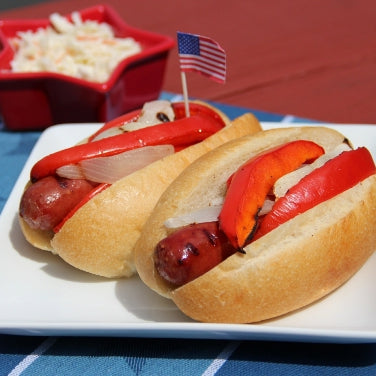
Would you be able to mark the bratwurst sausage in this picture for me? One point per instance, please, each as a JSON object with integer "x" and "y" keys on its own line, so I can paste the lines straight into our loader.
{"x": 191, "y": 251}
{"x": 46, "y": 202}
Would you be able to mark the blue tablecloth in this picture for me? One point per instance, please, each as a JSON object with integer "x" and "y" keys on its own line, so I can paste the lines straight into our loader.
{"x": 39, "y": 356}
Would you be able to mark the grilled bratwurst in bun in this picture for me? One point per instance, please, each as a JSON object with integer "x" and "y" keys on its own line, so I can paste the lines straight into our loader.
{"x": 262, "y": 226}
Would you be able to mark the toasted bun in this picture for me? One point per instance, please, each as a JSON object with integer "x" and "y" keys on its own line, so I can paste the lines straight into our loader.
{"x": 100, "y": 236}
{"x": 292, "y": 266}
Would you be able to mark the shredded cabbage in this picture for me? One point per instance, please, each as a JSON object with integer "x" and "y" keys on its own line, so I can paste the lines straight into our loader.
{"x": 83, "y": 49}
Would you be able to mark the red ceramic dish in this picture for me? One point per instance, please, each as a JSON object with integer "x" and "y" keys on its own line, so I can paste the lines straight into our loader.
{"x": 30, "y": 101}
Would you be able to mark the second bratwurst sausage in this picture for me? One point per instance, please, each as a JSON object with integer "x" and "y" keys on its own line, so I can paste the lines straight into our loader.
{"x": 191, "y": 251}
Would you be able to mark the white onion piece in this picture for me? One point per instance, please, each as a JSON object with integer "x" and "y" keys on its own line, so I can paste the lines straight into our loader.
{"x": 149, "y": 115}
{"x": 202, "y": 215}
{"x": 110, "y": 169}
{"x": 209, "y": 213}
{"x": 283, "y": 184}
{"x": 70, "y": 171}
{"x": 147, "y": 118}
{"x": 266, "y": 207}
{"x": 114, "y": 131}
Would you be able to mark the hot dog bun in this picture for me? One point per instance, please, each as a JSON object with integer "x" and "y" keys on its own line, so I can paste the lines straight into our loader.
{"x": 291, "y": 267}
{"x": 100, "y": 236}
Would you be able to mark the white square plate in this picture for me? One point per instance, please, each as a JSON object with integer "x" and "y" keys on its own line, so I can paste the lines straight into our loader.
{"x": 41, "y": 295}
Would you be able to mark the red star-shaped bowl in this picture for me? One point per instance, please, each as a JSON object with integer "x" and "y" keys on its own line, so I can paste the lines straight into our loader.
{"x": 30, "y": 101}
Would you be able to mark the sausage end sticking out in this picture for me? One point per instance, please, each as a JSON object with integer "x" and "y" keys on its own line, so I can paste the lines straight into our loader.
{"x": 190, "y": 252}
{"x": 46, "y": 202}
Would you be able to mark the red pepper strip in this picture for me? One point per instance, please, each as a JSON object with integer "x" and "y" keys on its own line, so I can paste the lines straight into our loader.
{"x": 179, "y": 110}
{"x": 334, "y": 177}
{"x": 99, "y": 188}
{"x": 181, "y": 132}
{"x": 252, "y": 182}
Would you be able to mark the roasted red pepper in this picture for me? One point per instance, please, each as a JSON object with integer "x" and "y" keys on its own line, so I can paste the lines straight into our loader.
{"x": 179, "y": 111}
{"x": 202, "y": 123}
{"x": 252, "y": 182}
{"x": 334, "y": 177}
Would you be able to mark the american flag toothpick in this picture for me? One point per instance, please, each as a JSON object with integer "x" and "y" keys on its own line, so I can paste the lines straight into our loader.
{"x": 203, "y": 55}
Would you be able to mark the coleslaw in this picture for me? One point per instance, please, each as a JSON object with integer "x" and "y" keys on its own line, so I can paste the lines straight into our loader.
{"x": 84, "y": 49}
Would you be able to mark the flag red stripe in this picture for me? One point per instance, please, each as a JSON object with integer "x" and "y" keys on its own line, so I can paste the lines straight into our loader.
{"x": 192, "y": 60}
{"x": 217, "y": 77}
{"x": 191, "y": 66}
{"x": 212, "y": 50}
